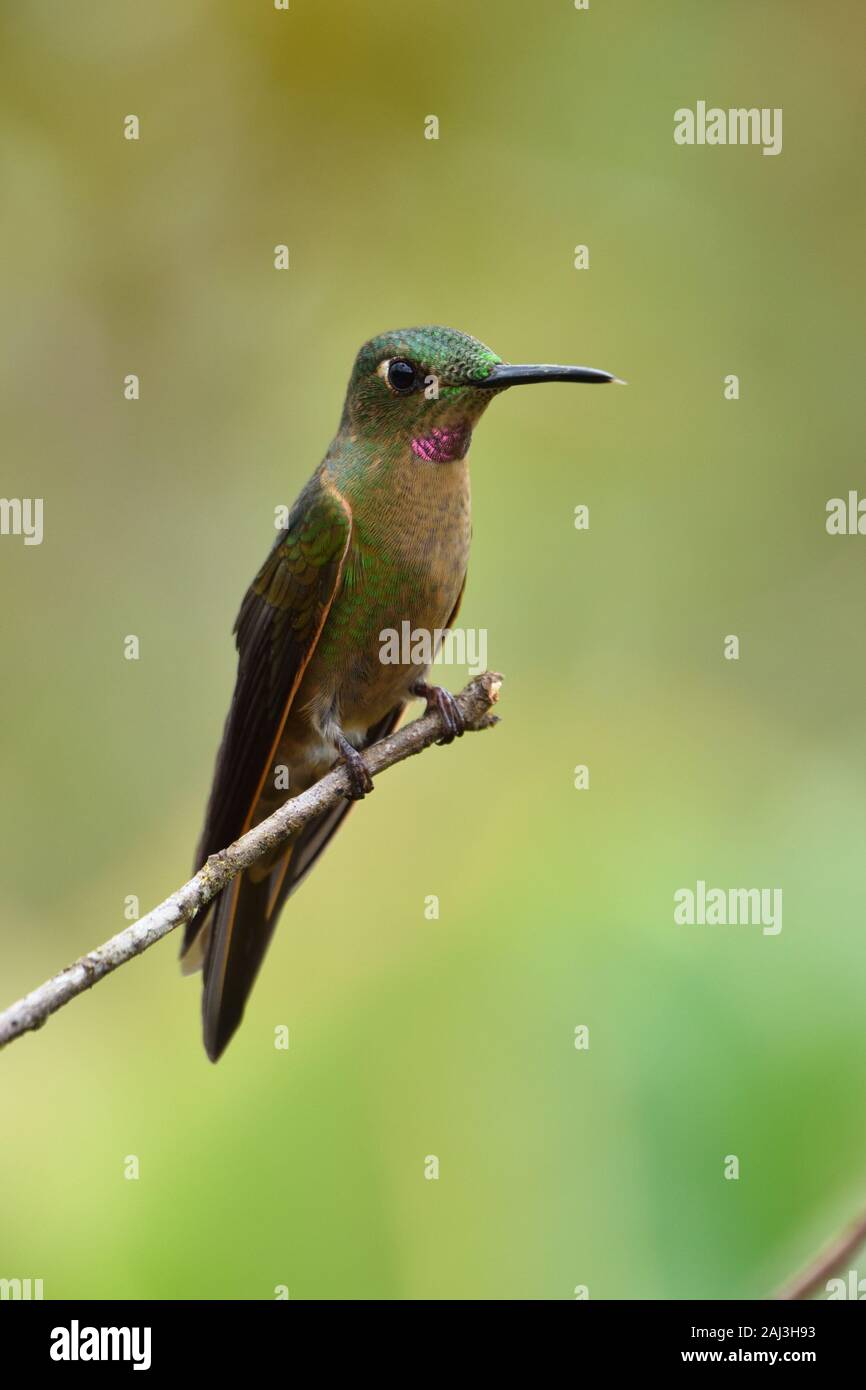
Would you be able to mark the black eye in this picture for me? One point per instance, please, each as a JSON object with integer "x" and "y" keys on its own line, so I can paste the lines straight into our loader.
{"x": 401, "y": 375}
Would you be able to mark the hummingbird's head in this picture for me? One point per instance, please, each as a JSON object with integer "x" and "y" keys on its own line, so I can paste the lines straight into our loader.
{"x": 426, "y": 388}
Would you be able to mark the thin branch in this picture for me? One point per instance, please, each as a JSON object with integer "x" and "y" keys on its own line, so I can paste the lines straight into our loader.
{"x": 474, "y": 702}
{"x": 825, "y": 1264}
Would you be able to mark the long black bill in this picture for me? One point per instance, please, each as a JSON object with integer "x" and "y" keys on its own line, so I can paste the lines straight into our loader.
{"x": 505, "y": 375}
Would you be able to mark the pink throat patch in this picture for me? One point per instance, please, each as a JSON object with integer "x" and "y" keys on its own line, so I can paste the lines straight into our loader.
{"x": 442, "y": 446}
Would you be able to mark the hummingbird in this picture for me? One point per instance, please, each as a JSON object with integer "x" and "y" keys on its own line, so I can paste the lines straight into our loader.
{"x": 379, "y": 536}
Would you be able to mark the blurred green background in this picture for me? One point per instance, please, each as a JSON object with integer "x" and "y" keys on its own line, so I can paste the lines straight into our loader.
{"x": 454, "y": 1037}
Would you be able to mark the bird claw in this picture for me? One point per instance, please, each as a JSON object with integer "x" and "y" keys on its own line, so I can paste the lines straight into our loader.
{"x": 360, "y": 781}
{"x": 444, "y": 702}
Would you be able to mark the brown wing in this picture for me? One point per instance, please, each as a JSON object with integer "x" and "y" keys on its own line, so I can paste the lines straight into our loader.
{"x": 277, "y": 629}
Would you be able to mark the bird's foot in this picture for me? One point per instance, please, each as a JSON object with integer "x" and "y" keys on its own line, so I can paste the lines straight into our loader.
{"x": 442, "y": 700}
{"x": 360, "y": 781}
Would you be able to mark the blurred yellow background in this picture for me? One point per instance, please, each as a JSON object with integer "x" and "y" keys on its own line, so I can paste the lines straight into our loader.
{"x": 559, "y": 1167}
